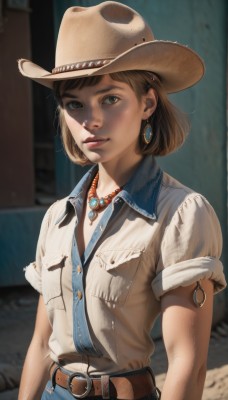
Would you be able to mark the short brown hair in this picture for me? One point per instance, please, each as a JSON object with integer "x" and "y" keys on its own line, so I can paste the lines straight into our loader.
{"x": 169, "y": 125}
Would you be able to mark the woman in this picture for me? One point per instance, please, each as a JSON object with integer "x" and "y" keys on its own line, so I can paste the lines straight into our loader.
{"x": 129, "y": 242}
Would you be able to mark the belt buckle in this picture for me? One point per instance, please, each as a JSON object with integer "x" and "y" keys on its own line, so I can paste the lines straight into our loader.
{"x": 88, "y": 384}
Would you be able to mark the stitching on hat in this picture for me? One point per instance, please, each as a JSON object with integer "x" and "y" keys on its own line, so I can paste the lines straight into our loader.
{"x": 80, "y": 65}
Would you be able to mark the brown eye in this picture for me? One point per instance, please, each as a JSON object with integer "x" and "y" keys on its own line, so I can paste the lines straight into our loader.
{"x": 110, "y": 100}
{"x": 72, "y": 105}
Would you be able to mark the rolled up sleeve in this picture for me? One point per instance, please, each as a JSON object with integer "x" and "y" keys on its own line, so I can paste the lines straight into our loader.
{"x": 190, "y": 248}
{"x": 33, "y": 270}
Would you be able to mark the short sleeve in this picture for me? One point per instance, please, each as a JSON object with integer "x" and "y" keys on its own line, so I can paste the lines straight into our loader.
{"x": 190, "y": 248}
{"x": 33, "y": 270}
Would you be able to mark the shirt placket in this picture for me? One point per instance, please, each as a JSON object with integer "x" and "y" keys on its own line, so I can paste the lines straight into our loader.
{"x": 81, "y": 335}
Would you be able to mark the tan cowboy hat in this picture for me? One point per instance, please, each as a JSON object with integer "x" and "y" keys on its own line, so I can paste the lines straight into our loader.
{"x": 112, "y": 37}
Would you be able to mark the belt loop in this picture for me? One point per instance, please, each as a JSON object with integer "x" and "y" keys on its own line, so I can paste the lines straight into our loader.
{"x": 158, "y": 392}
{"x": 105, "y": 386}
{"x": 152, "y": 375}
{"x": 53, "y": 382}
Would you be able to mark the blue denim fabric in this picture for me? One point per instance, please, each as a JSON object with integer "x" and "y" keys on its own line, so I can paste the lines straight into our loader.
{"x": 57, "y": 394}
{"x": 62, "y": 394}
{"x": 144, "y": 185}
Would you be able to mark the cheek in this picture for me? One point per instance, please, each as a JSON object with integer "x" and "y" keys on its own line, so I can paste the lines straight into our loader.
{"x": 72, "y": 124}
{"x": 123, "y": 116}
{"x": 130, "y": 120}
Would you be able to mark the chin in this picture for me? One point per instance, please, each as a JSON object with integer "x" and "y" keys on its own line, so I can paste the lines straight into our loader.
{"x": 95, "y": 158}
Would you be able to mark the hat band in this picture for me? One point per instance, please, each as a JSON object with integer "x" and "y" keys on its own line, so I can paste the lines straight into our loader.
{"x": 80, "y": 65}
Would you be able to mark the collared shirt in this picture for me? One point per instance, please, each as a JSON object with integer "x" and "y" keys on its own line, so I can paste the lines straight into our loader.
{"x": 156, "y": 235}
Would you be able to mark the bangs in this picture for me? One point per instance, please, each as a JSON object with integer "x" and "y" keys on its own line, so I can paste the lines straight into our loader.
{"x": 62, "y": 86}
{"x": 132, "y": 78}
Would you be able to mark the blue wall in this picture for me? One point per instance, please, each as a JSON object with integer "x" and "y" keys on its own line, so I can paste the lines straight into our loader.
{"x": 19, "y": 230}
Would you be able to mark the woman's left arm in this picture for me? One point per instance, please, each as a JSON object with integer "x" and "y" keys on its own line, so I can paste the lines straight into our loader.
{"x": 186, "y": 333}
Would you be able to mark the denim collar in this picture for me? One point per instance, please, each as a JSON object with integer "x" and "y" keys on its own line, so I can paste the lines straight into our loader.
{"x": 140, "y": 193}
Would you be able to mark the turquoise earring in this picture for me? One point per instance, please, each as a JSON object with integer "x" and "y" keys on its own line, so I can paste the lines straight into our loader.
{"x": 147, "y": 133}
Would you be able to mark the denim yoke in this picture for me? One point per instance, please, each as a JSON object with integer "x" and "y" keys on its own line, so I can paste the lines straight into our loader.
{"x": 141, "y": 194}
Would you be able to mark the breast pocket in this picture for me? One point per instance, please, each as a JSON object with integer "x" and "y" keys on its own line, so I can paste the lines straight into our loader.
{"x": 52, "y": 267}
{"x": 114, "y": 272}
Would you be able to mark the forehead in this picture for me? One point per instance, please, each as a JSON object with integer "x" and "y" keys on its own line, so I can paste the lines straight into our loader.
{"x": 94, "y": 84}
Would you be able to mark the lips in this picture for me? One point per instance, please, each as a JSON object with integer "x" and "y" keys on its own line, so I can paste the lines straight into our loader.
{"x": 95, "y": 140}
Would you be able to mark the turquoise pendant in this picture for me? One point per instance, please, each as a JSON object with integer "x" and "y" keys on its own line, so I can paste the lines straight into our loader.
{"x": 92, "y": 215}
{"x": 102, "y": 202}
{"x": 94, "y": 203}
{"x": 147, "y": 134}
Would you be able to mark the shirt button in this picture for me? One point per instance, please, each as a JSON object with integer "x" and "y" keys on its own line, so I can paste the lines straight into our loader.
{"x": 79, "y": 294}
{"x": 79, "y": 270}
{"x": 118, "y": 201}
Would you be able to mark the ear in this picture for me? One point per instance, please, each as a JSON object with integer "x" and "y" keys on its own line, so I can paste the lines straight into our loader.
{"x": 150, "y": 100}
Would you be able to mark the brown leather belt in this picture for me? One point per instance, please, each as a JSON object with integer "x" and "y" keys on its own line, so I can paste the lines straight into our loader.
{"x": 131, "y": 386}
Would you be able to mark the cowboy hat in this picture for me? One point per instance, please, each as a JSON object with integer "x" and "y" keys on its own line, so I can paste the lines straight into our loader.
{"x": 112, "y": 37}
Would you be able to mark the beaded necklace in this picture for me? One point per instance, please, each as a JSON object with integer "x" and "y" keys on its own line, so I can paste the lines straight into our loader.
{"x": 96, "y": 204}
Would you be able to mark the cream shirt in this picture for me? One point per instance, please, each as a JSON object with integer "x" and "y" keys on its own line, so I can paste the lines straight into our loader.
{"x": 155, "y": 236}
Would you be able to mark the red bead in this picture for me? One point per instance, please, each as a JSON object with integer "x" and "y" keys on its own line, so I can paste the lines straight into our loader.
{"x": 106, "y": 200}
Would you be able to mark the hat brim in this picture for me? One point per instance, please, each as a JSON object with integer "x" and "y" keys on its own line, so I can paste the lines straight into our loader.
{"x": 177, "y": 66}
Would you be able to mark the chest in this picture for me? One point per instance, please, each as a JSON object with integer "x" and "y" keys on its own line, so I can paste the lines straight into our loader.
{"x": 86, "y": 228}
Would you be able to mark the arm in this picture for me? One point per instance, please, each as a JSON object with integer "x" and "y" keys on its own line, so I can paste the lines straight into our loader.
{"x": 186, "y": 334}
{"x": 35, "y": 372}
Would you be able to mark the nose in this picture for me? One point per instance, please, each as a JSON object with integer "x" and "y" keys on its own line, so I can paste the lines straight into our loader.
{"x": 93, "y": 119}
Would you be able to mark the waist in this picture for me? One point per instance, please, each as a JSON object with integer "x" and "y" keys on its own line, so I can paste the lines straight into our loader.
{"x": 130, "y": 386}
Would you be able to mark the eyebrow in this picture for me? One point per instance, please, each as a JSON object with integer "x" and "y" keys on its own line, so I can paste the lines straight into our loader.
{"x": 101, "y": 91}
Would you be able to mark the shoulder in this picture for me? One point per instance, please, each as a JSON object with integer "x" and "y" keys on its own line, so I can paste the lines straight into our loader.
{"x": 176, "y": 197}
{"x": 184, "y": 213}
{"x": 189, "y": 222}
{"x": 173, "y": 190}
{"x": 56, "y": 211}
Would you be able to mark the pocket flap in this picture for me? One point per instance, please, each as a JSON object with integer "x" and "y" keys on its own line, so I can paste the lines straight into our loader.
{"x": 53, "y": 260}
{"x": 113, "y": 258}
{"x": 52, "y": 280}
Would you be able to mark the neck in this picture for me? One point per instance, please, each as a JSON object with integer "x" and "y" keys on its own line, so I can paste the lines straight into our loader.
{"x": 115, "y": 174}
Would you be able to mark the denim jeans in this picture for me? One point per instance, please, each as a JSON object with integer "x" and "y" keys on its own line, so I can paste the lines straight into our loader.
{"x": 62, "y": 394}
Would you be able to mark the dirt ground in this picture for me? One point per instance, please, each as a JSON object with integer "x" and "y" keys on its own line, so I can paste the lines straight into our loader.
{"x": 17, "y": 314}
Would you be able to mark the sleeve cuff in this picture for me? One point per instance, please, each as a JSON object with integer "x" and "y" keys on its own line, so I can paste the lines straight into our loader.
{"x": 33, "y": 277}
{"x": 187, "y": 272}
